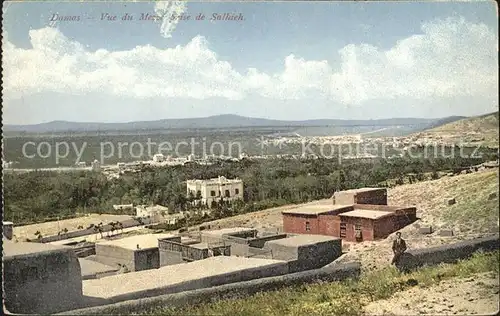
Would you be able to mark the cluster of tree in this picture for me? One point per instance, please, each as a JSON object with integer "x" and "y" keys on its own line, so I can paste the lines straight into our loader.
{"x": 40, "y": 195}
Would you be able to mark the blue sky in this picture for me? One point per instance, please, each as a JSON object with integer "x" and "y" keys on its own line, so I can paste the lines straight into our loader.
{"x": 345, "y": 60}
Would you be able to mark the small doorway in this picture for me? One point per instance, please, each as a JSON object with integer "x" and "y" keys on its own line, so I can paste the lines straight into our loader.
{"x": 357, "y": 232}
{"x": 149, "y": 260}
{"x": 343, "y": 229}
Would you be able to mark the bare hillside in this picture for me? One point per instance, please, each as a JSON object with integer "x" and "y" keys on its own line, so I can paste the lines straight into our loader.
{"x": 475, "y": 130}
{"x": 475, "y": 213}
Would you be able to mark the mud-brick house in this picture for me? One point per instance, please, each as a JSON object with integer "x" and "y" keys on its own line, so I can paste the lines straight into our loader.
{"x": 314, "y": 219}
{"x": 354, "y": 221}
{"x": 372, "y": 222}
{"x": 375, "y": 196}
{"x": 40, "y": 278}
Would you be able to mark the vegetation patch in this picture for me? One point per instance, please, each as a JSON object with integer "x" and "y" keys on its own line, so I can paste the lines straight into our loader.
{"x": 341, "y": 298}
{"x": 40, "y": 195}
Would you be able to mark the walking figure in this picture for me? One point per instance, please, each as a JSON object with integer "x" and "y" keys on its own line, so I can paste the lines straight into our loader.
{"x": 398, "y": 248}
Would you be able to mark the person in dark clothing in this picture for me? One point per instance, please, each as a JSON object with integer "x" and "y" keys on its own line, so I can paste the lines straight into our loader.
{"x": 398, "y": 248}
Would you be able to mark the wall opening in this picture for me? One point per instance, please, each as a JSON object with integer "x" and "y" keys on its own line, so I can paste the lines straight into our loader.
{"x": 343, "y": 230}
{"x": 358, "y": 233}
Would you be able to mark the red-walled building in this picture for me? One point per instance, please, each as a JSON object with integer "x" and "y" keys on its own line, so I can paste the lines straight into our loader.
{"x": 375, "y": 196}
{"x": 314, "y": 219}
{"x": 357, "y": 222}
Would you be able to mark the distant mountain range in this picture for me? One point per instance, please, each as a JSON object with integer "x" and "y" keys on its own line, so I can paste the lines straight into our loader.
{"x": 226, "y": 121}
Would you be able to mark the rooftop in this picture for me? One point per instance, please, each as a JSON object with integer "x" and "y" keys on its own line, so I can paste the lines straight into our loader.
{"x": 301, "y": 240}
{"x": 214, "y": 180}
{"x": 370, "y": 214}
{"x": 90, "y": 267}
{"x": 228, "y": 231}
{"x": 12, "y": 249}
{"x": 199, "y": 245}
{"x": 315, "y": 209}
{"x": 122, "y": 284}
{"x": 144, "y": 241}
{"x": 360, "y": 190}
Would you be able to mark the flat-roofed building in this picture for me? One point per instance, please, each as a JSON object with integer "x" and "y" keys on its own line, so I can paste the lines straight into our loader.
{"x": 375, "y": 196}
{"x": 91, "y": 269}
{"x": 40, "y": 278}
{"x": 177, "y": 250}
{"x": 372, "y": 222}
{"x": 135, "y": 253}
{"x": 314, "y": 219}
{"x": 305, "y": 252}
{"x": 216, "y": 189}
{"x": 354, "y": 222}
{"x": 170, "y": 279}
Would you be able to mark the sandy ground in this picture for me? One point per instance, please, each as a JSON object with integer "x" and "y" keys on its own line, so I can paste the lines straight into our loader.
{"x": 477, "y": 295}
{"x": 52, "y": 228}
{"x": 122, "y": 233}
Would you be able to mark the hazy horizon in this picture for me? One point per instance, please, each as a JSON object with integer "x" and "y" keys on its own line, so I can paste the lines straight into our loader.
{"x": 232, "y": 114}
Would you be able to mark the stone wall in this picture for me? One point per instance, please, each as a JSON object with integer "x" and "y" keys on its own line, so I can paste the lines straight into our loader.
{"x": 374, "y": 196}
{"x": 306, "y": 257}
{"x": 228, "y": 291}
{"x": 259, "y": 242}
{"x": 448, "y": 253}
{"x": 296, "y": 224}
{"x": 331, "y": 272}
{"x": 378, "y": 197}
{"x": 145, "y": 259}
{"x": 42, "y": 282}
{"x": 112, "y": 256}
{"x": 269, "y": 270}
{"x": 168, "y": 257}
{"x": 167, "y": 247}
{"x": 85, "y": 232}
{"x": 316, "y": 256}
{"x": 91, "y": 269}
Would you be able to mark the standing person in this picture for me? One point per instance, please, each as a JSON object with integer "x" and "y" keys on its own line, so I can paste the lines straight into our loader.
{"x": 398, "y": 248}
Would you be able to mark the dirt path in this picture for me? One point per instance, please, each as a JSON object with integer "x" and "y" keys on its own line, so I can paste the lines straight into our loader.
{"x": 477, "y": 295}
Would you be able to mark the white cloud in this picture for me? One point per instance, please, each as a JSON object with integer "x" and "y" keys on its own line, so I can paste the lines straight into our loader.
{"x": 451, "y": 58}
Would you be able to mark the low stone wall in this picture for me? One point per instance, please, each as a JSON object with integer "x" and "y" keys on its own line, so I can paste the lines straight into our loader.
{"x": 448, "y": 253}
{"x": 259, "y": 242}
{"x": 94, "y": 270}
{"x": 331, "y": 272}
{"x": 113, "y": 255}
{"x": 269, "y": 270}
{"x": 228, "y": 291}
{"x": 306, "y": 256}
{"x": 145, "y": 259}
{"x": 86, "y": 251}
{"x": 168, "y": 257}
{"x": 85, "y": 232}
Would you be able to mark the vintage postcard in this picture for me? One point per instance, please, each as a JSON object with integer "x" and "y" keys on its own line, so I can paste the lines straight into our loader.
{"x": 250, "y": 158}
